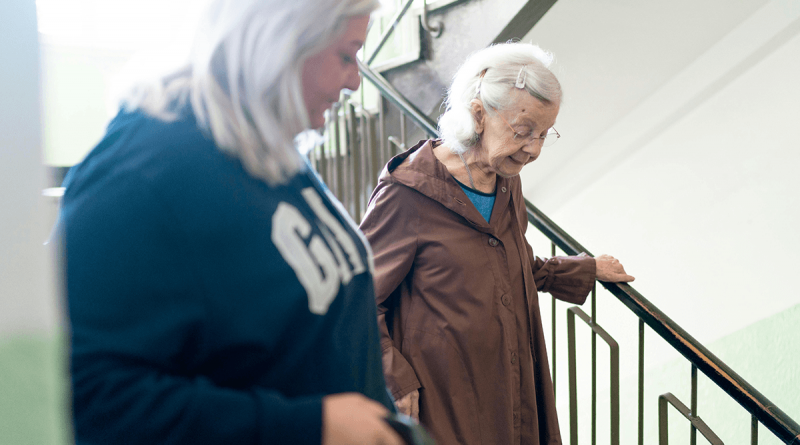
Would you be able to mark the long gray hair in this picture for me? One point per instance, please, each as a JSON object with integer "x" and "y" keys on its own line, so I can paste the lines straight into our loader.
{"x": 243, "y": 77}
{"x": 489, "y": 75}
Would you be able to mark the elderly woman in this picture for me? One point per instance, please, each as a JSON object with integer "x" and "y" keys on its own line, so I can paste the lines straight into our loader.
{"x": 456, "y": 281}
{"x": 216, "y": 293}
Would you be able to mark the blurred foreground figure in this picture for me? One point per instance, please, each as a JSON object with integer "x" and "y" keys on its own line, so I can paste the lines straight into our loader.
{"x": 456, "y": 281}
{"x": 217, "y": 293}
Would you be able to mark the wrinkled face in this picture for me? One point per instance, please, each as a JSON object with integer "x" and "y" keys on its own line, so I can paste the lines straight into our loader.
{"x": 333, "y": 69}
{"x": 499, "y": 151}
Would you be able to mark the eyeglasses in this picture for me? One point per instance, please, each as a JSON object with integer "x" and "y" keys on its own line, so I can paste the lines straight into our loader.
{"x": 547, "y": 140}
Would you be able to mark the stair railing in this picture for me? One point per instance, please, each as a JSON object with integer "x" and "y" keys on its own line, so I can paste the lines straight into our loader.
{"x": 760, "y": 408}
{"x": 357, "y": 147}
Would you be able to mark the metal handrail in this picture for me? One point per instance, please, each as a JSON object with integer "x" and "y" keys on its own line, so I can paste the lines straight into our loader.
{"x": 715, "y": 369}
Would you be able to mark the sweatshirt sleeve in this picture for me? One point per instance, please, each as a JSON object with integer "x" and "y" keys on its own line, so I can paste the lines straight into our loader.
{"x": 139, "y": 336}
{"x": 391, "y": 225}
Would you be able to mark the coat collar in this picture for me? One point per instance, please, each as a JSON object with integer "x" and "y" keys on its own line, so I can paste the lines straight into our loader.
{"x": 419, "y": 169}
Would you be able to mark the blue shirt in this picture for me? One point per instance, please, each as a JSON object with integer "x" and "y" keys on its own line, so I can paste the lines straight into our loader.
{"x": 484, "y": 202}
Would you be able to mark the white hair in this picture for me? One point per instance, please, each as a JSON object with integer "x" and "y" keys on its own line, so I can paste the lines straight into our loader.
{"x": 489, "y": 75}
{"x": 243, "y": 77}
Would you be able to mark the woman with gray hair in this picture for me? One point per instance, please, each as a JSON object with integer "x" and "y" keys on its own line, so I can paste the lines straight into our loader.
{"x": 216, "y": 292}
{"x": 456, "y": 281}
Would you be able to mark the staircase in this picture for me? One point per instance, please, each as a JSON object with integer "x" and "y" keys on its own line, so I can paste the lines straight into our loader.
{"x": 361, "y": 137}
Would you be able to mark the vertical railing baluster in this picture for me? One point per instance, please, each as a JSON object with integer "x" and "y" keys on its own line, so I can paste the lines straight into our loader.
{"x": 345, "y": 158}
{"x": 402, "y": 130}
{"x": 329, "y": 174}
{"x": 318, "y": 150}
{"x": 368, "y": 169}
{"x": 753, "y": 430}
{"x": 374, "y": 155}
{"x": 641, "y": 382}
{"x": 350, "y": 139}
{"x": 594, "y": 367}
{"x": 382, "y": 159}
{"x": 326, "y": 152}
{"x": 693, "y": 437}
{"x": 369, "y": 161}
{"x": 358, "y": 170}
{"x": 387, "y": 146}
{"x": 663, "y": 422}
{"x": 337, "y": 157}
{"x": 573, "y": 382}
{"x": 614, "y": 396}
{"x": 355, "y": 164}
{"x": 553, "y": 326}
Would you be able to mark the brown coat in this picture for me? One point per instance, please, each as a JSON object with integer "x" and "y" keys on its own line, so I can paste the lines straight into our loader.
{"x": 458, "y": 308}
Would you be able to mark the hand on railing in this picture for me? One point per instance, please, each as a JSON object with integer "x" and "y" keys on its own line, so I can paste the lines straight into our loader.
{"x": 609, "y": 269}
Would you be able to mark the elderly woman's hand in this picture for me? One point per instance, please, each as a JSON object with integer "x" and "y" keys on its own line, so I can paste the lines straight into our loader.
{"x": 409, "y": 404}
{"x": 609, "y": 269}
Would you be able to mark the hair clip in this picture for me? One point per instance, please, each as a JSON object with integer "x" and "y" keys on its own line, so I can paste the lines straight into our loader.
{"x": 521, "y": 78}
{"x": 480, "y": 80}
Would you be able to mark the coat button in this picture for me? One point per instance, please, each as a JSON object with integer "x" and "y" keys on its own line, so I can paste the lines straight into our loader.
{"x": 513, "y": 358}
{"x": 506, "y": 300}
{"x": 503, "y": 189}
{"x": 493, "y": 242}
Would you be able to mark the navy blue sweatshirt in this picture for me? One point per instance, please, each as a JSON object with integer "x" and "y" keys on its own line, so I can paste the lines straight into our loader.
{"x": 205, "y": 306}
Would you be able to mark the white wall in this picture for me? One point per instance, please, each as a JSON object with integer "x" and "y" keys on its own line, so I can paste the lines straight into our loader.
{"x": 31, "y": 407}
{"x": 693, "y": 186}
{"x": 25, "y": 292}
{"x": 680, "y": 156}
{"x": 91, "y": 51}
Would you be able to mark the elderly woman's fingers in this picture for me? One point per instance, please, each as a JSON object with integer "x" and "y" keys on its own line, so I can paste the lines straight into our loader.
{"x": 409, "y": 404}
{"x": 620, "y": 278}
{"x": 415, "y": 406}
{"x": 609, "y": 269}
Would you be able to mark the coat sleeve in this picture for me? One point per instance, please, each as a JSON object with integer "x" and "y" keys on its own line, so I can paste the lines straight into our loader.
{"x": 390, "y": 226}
{"x": 567, "y": 278}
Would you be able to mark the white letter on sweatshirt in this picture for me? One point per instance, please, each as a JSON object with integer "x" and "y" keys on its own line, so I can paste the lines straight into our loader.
{"x": 314, "y": 265}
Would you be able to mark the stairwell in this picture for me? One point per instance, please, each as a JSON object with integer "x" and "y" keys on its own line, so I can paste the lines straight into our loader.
{"x": 472, "y": 25}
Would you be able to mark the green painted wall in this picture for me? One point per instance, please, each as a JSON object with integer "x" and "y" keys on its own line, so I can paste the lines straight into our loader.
{"x": 766, "y": 354}
{"x": 32, "y": 382}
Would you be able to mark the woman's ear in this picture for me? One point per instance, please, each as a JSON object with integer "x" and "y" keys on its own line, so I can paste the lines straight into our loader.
{"x": 479, "y": 114}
